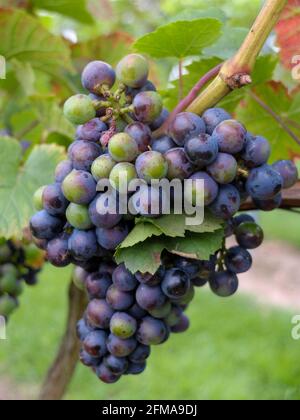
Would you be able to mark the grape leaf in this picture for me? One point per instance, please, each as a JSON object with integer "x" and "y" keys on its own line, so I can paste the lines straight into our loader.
{"x": 18, "y": 182}
{"x": 24, "y": 38}
{"x": 146, "y": 258}
{"x": 192, "y": 14}
{"x": 140, "y": 233}
{"x": 259, "y": 121}
{"x": 180, "y": 39}
{"x": 25, "y": 76}
{"x": 228, "y": 44}
{"x": 75, "y": 9}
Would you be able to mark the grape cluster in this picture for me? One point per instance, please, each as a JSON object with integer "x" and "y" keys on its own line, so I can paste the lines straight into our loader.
{"x": 129, "y": 312}
{"x": 19, "y": 265}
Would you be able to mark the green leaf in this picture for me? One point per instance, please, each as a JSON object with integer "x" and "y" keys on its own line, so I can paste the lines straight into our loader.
{"x": 18, "y": 182}
{"x": 260, "y": 122}
{"x": 147, "y": 258}
{"x": 192, "y": 14}
{"x": 51, "y": 117}
{"x": 25, "y": 76}
{"x": 75, "y": 9}
{"x": 180, "y": 39}
{"x": 25, "y": 39}
{"x": 140, "y": 233}
{"x": 228, "y": 44}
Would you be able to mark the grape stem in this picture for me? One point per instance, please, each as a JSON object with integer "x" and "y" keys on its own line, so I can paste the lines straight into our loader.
{"x": 276, "y": 117}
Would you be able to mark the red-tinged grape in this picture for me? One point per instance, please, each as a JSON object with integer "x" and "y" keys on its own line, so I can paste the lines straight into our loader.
{"x": 182, "y": 326}
{"x": 213, "y": 117}
{"x": 99, "y": 314}
{"x": 133, "y": 71}
{"x": 79, "y": 187}
{"x": 96, "y": 74}
{"x": 79, "y": 109}
{"x": 54, "y": 201}
{"x": 58, "y": 252}
{"x": 179, "y": 167}
{"x": 224, "y": 283}
{"x": 249, "y": 235}
{"x": 83, "y": 153}
{"x": 123, "y": 279}
{"x": 45, "y": 226}
{"x": 151, "y": 166}
{"x": 152, "y": 331}
{"x": 186, "y": 126}
{"x": 194, "y": 191}
{"x": 224, "y": 169}
{"x": 97, "y": 285}
{"x": 121, "y": 348}
{"x": 202, "y": 150}
{"x": 106, "y": 375}
{"x": 88, "y": 360}
{"x": 238, "y": 260}
{"x": 150, "y": 298}
{"x": 119, "y": 301}
{"x": 92, "y": 130}
{"x": 95, "y": 343}
{"x": 142, "y": 135}
{"x": 147, "y": 107}
{"x": 123, "y": 148}
{"x": 231, "y": 136}
{"x": 288, "y": 171}
{"x": 123, "y": 325}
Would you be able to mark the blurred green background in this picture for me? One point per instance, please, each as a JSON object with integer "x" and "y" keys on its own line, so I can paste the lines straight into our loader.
{"x": 235, "y": 348}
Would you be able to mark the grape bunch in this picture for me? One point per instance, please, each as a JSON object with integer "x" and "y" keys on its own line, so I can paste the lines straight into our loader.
{"x": 116, "y": 135}
{"x": 19, "y": 265}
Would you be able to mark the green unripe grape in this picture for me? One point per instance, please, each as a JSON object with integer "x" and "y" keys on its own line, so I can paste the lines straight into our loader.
{"x": 34, "y": 257}
{"x": 5, "y": 253}
{"x": 38, "y": 198}
{"x": 9, "y": 269}
{"x": 78, "y": 216}
{"x": 79, "y": 278}
{"x": 133, "y": 71}
{"x": 8, "y": 284}
{"x": 121, "y": 171}
{"x": 7, "y": 305}
{"x": 147, "y": 106}
{"x": 123, "y": 148}
{"x": 102, "y": 167}
{"x": 79, "y": 109}
{"x": 151, "y": 165}
{"x": 123, "y": 325}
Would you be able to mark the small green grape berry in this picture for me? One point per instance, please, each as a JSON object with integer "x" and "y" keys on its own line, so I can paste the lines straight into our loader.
{"x": 38, "y": 198}
{"x": 102, "y": 167}
{"x": 133, "y": 71}
{"x": 120, "y": 172}
{"x": 78, "y": 216}
{"x": 7, "y": 305}
{"x": 8, "y": 284}
{"x": 151, "y": 165}
{"x": 79, "y": 109}
{"x": 123, "y": 148}
{"x": 147, "y": 106}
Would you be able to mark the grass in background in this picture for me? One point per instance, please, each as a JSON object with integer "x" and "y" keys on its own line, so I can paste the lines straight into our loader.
{"x": 234, "y": 350}
{"x": 283, "y": 225}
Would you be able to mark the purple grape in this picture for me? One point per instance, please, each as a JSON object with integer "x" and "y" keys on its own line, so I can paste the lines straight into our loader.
{"x": 152, "y": 331}
{"x": 186, "y": 126}
{"x": 97, "y": 285}
{"x": 182, "y": 326}
{"x": 96, "y": 74}
{"x": 58, "y": 252}
{"x": 162, "y": 311}
{"x": 45, "y": 226}
{"x": 163, "y": 145}
{"x": 123, "y": 325}
{"x": 189, "y": 266}
{"x": 149, "y": 201}
{"x": 62, "y": 170}
{"x": 54, "y": 201}
{"x": 83, "y": 153}
{"x": 137, "y": 312}
{"x": 107, "y": 268}
{"x": 176, "y": 283}
{"x": 174, "y": 316}
{"x": 121, "y": 348}
{"x": 202, "y": 150}
{"x": 224, "y": 169}
{"x": 95, "y": 343}
{"x": 192, "y": 191}
{"x": 213, "y": 117}
{"x": 110, "y": 239}
{"x": 119, "y": 301}
{"x": 249, "y": 235}
{"x": 187, "y": 298}
{"x": 132, "y": 92}
{"x": 106, "y": 221}
{"x": 142, "y": 135}
{"x": 264, "y": 183}
{"x": 117, "y": 365}
{"x": 288, "y": 171}
{"x": 140, "y": 354}
{"x": 257, "y": 151}
{"x": 227, "y": 203}
{"x": 179, "y": 165}
{"x": 79, "y": 187}
{"x": 229, "y": 228}
{"x": 123, "y": 279}
{"x": 99, "y": 313}
{"x": 242, "y": 218}
{"x": 92, "y": 130}
{"x": 150, "y": 298}
{"x": 231, "y": 136}
{"x": 136, "y": 368}
{"x": 160, "y": 120}
{"x": 83, "y": 244}
{"x": 199, "y": 282}
{"x": 88, "y": 360}
{"x": 224, "y": 283}
{"x": 106, "y": 375}
{"x": 147, "y": 107}
{"x": 238, "y": 260}
{"x": 269, "y": 205}
{"x": 82, "y": 330}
